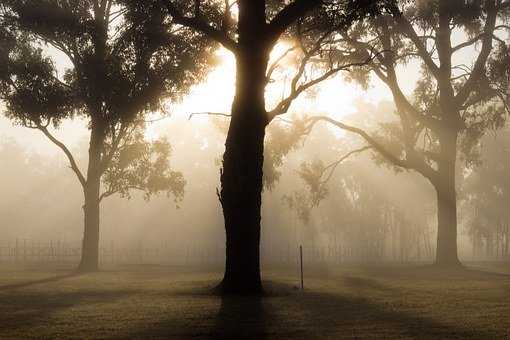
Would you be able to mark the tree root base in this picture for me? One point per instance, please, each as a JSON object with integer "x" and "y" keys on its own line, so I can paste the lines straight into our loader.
{"x": 238, "y": 289}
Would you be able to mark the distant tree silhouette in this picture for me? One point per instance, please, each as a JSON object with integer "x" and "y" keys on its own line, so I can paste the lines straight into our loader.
{"x": 485, "y": 197}
{"x": 251, "y": 35}
{"x": 119, "y": 72}
{"x": 454, "y": 102}
{"x": 349, "y": 198}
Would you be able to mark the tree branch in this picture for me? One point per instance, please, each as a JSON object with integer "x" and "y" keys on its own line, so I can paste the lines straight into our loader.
{"x": 107, "y": 194}
{"x": 296, "y": 90}
{"x": 481, "y": 61}
{"x": 335, "y": 164}
{"x": 70, "y": 157}
{"x": 288, "y": 15}
{"x": 276, "y": 63}
{"x": 467, "y": 43}
{"x": 116, "y": 139}
{"x": 369, "y": 139}
{"x": 209, "y": 114}
{"x": 409, "y": 164}
{"x": 198, "y": 24}
{"x": 418, "y": 43}
{"x": 390, "y": 80}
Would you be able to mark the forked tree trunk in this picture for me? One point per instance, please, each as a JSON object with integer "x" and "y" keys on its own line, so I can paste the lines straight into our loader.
{"x": 241, "y": 179}
{"x": 446, "y": 254}
{"x": 91, "y": 209}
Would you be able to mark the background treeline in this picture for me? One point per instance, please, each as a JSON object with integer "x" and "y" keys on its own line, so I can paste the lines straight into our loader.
{"x": 358, "y": 212}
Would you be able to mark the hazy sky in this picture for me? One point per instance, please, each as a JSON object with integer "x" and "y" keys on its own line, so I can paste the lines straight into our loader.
{"x": 334, "y": 97}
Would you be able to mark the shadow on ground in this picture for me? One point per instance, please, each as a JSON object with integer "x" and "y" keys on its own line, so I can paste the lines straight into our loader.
{"x": 285, "y": 313}
{"x": 414, "y": 303}
{"x": 433, "y": 273}
{"x": 37, "y": 282}
{"x": 242, "y": 318}
{"x": 29, "y": 309}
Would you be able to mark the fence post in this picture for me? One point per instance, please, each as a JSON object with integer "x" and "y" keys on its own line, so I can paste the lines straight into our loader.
{"x": 140, "y": 252}
{"x": 24, "y": 251}
{"x": 112, "y": 245}
{"x": 301, "y": 264}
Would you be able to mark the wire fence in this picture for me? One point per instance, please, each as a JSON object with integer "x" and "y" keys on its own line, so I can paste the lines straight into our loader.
{"x": 26, "y": 251}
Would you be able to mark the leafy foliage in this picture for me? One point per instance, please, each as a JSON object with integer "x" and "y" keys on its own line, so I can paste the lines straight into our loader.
{"x": 452, "y": 97}
{"x": 282, "y": 138}
{"x": 127, "y": 60}
{"x": 143, "y": 166}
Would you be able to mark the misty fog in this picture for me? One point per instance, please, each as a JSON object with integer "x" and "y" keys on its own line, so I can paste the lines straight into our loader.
{"x": 371, "y": 213}
{"x": 254, "y": 169}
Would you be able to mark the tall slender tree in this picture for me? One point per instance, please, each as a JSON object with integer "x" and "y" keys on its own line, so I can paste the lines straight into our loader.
{"x": 119, "y": 72}
{"x": 463, "y": 89}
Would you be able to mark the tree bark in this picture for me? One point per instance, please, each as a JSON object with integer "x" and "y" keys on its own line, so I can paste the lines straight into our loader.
{"x": 241, "y": 178}
{"x": 446, "y": 254}
{"x": 90, "y": 246}
{"x": 91, "y": 209}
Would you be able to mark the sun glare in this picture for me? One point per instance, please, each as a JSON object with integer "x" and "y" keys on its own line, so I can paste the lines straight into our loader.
{"x": 215, "y": 94}
{"x": 334, "y": 97}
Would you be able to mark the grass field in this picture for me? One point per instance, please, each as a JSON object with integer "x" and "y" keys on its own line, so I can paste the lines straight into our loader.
{"x": 389, "y": 302}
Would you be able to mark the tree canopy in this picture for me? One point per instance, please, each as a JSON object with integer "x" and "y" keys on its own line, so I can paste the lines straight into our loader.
{"x": 120, "y": 72}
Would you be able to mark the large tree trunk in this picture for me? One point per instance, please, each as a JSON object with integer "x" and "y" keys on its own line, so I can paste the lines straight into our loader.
{"x": 446, "y": 254}
{"x": 90, "y": 247}
{"x": 91, "y": 209}
{"x": 241, "y": 179}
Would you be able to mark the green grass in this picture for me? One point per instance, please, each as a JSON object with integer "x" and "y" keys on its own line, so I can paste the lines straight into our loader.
{"x": 389, "y": 302}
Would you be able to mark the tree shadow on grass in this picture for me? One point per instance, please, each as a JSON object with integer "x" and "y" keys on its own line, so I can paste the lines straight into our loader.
{"x": 203, "y": 314}
{"x": 285, "y": 313}
{"x": 40, "y": 281}
{"x": 432, "y": 273}
{"x": 242, "y": 318}
{"x": 485, "y": 274}
{"x": 20, "y": 310}
{"x": 367, "y": 283}
{"x": 340, "y": 317}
